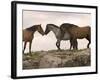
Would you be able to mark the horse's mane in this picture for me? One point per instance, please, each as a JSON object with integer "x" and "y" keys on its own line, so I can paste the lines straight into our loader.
{"x": 68, "y": 25}
{"x": 32, "y": 28}
{"x": 53, "y": 25}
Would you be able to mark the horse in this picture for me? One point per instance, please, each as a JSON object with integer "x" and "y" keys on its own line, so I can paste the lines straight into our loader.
{"x": 68, "y": 27}
{"x": 56, "y": 30}
{"x": 77, "y": 33}
{"x": 28, "y": 35}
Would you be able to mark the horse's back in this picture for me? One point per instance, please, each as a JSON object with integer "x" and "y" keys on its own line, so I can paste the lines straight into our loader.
{"x": 81, "y": 32}
{"x": 67, "y": 27}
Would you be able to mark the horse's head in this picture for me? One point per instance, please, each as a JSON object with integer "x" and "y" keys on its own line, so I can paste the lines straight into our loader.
{"x": 39, "y": 29}
{"x": 47, "y": 30}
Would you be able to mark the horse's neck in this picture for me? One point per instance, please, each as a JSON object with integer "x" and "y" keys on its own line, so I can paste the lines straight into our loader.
{"x": 34, "y": 29}
{"x": 56, "y": 31}
{"x": 31, "y": 32}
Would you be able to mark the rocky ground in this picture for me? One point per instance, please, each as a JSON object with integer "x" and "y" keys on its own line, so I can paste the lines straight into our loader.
{"x": 55, "y": 59}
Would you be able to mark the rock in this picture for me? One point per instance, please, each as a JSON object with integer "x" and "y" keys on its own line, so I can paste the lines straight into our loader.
{"x": 27, "y": 64}
{"x": 27, "y": 57}
{"x": 81, "y": 58}
{"x": 30, "y": 64}
{"x": 49, "y": 61}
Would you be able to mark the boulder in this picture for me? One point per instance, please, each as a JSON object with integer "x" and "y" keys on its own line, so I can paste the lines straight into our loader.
{"x": 49, "y": 61}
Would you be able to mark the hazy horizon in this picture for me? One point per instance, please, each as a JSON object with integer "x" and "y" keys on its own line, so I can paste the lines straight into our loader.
{"x": 48, "y": 42}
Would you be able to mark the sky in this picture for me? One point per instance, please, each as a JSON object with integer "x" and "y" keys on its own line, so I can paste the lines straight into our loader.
{"x": 48, "y": 42}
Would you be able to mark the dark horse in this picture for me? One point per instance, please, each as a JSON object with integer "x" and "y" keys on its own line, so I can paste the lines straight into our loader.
{"x": 76, "y": 33}
{"x": 57, "y": 32}
{"x": 28, "y": 35}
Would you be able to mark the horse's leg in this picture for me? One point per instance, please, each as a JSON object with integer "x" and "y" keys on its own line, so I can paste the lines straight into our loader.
{"x": 58, "y": 44}
{"x": 71, "y": 44}
{"x": 30, "y": 47}
{"x": 24, "y": 46}
{"x": 75, "y": 44}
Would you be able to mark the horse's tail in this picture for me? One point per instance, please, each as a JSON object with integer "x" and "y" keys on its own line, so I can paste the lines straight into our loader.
{"x": 89, "y": 30}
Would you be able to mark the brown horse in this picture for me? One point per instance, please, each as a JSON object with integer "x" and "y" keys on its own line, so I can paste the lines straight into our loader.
{"x": 66, "y": 27}
{"x": 28, "y": 35}
{"x": 77, "y": 33}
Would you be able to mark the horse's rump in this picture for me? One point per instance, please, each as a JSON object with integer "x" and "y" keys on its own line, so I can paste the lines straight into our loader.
{"x": 80, "y": 32}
